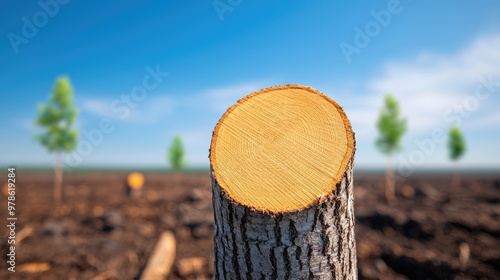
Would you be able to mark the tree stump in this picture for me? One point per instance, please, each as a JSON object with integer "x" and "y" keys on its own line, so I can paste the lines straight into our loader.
{"x": 134, "y": 184}
{"x": 282, "y": 181}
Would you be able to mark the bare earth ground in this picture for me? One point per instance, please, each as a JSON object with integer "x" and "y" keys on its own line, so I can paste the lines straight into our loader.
{"x": 99, "y": 232}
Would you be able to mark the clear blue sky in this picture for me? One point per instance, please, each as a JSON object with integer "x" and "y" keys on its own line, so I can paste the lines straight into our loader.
{"x": 431, "y": 55}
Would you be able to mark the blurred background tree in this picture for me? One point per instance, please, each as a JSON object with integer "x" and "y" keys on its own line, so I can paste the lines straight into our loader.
{"x": 456, "y": 147}
{"x": 57, "y": 118}
{"x": 176, "y": 154}
{"x": 391, "y": 128}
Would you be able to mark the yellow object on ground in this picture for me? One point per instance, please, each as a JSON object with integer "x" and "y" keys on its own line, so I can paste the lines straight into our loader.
{"x": 135, "y": 180}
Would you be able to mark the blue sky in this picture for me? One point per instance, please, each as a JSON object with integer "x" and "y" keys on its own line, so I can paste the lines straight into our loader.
{"x": 441, "y": 60}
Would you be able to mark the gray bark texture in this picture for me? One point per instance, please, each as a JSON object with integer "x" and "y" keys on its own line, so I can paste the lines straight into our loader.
{"x": 314, "y": 243}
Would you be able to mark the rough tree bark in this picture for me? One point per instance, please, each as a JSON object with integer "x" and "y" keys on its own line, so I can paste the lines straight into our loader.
{"x": 254, "y": 242}
{"x": 315, "y": 243}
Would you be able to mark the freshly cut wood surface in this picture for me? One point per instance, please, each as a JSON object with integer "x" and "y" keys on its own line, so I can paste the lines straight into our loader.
{"x": 281, "y": 149}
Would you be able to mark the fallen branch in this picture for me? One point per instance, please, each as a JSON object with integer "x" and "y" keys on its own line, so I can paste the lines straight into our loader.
{"x": 160, "y": 263}
{"x": 22, "y": 234}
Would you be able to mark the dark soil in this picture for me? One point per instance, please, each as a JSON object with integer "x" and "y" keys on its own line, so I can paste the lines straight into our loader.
{"x": 100, "y": 232}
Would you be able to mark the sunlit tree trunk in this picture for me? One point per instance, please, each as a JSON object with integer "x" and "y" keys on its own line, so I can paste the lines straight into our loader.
{"x": 282, "y": 179}
{"x": 315, "y": 243}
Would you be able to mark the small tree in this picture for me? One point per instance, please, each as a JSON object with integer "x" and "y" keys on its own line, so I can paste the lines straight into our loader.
{"x": 456, "y": 146}
{"x": 57, "y": 118}
{"x": 391, "y": 128}
{"x": 176, "y": 154}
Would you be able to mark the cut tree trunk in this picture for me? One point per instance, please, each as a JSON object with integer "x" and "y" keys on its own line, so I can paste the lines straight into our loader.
{"x": 282, "y": 181}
